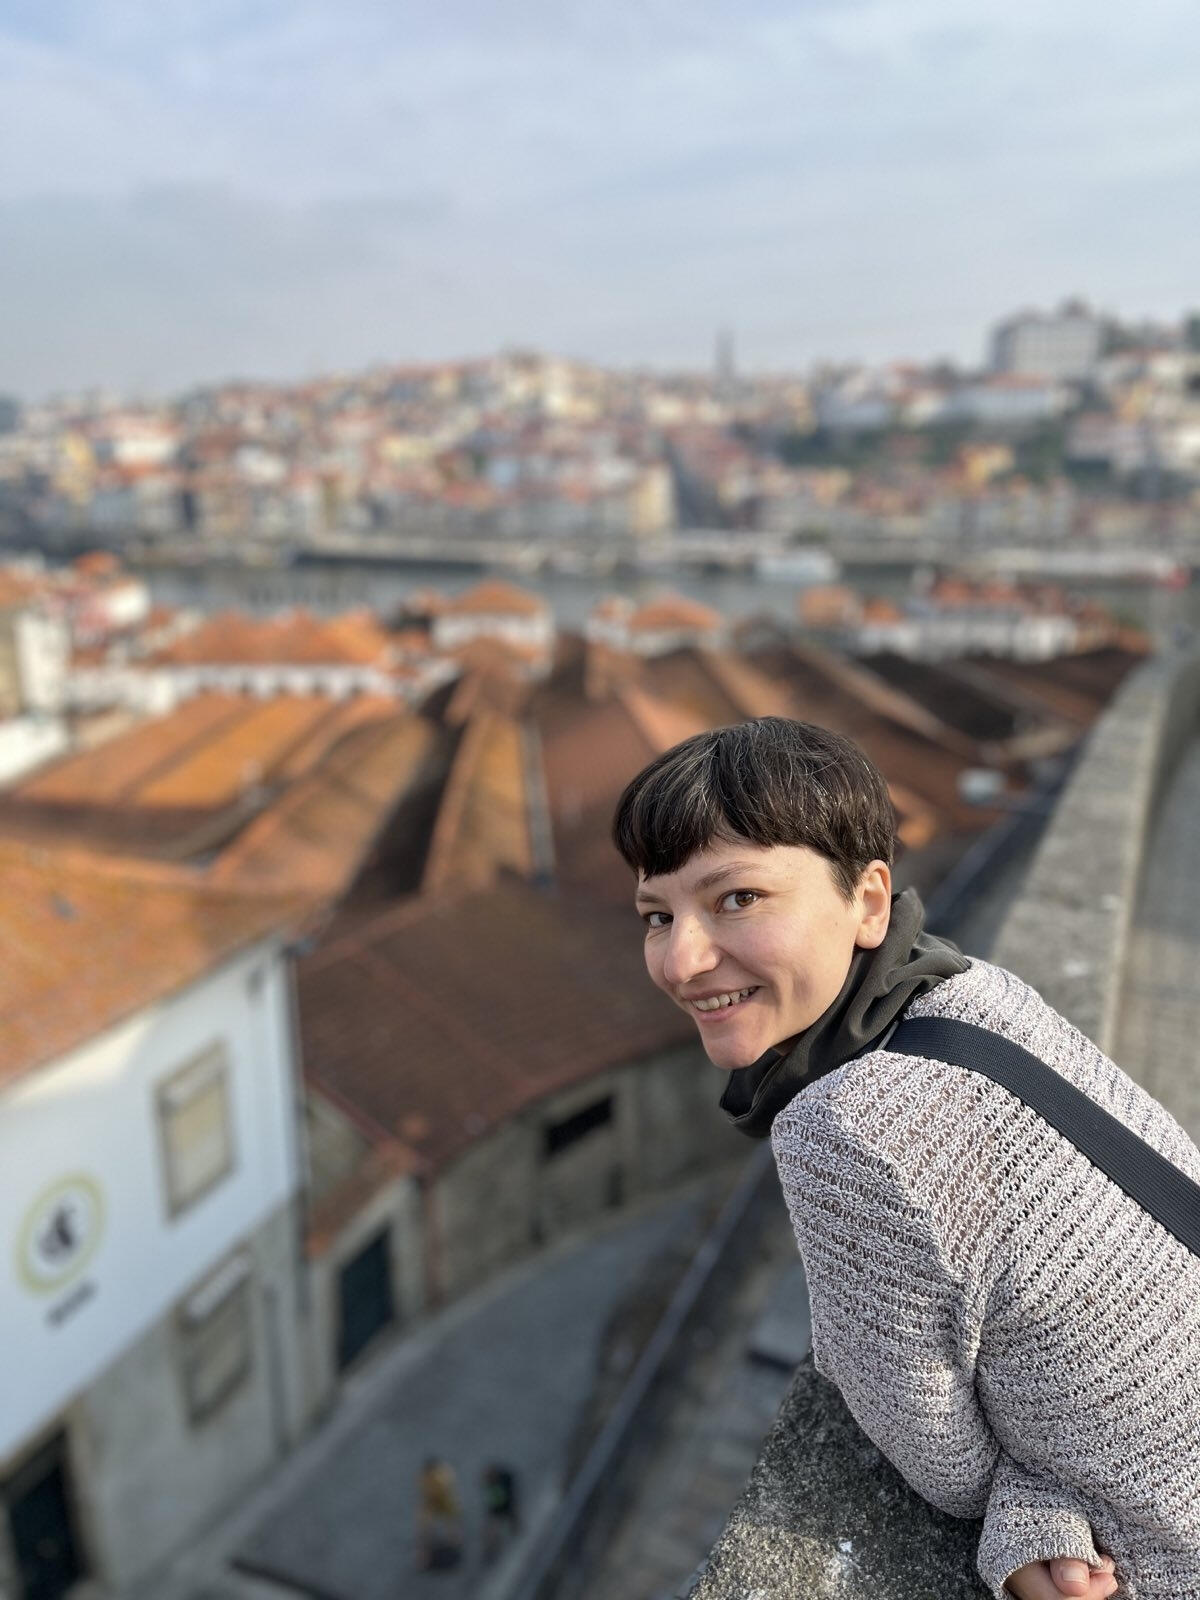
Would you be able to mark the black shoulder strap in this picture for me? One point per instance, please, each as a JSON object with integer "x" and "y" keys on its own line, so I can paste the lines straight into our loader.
{"x": 1159, "y": 1186}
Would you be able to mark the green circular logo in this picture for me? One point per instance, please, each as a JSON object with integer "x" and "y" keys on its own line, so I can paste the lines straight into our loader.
{"x": 60, "y": 1233}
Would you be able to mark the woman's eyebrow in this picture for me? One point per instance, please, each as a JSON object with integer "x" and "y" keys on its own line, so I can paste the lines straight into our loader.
{"x": 735, "y": 869}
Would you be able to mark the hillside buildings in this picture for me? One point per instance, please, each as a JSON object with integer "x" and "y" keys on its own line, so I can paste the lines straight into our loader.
{"x": 565, "y": 458}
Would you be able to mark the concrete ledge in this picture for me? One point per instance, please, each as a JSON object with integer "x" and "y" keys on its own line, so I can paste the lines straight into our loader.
{"x": 1067, "y": 933}
{"x": 825, "y": 1515}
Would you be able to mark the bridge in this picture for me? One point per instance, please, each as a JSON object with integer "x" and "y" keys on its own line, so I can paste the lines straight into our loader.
{"x": 1106, "y": 928}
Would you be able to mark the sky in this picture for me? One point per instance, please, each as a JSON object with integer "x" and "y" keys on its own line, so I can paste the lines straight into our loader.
{"x": 274, "y": 188}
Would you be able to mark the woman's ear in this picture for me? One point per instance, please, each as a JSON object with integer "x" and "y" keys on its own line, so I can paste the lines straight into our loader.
{"x": 874, "y": 895}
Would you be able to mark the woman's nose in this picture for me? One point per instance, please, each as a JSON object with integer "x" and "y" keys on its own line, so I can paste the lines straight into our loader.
{"x": 690, "y": 952}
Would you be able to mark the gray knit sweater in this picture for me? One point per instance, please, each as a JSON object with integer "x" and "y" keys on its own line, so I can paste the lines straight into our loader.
{"x": 1011, "y": 1330}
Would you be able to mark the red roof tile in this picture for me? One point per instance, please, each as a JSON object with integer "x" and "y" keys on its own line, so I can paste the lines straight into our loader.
{"x": 674, "y": 611}
{"x": 86, "y": 941}
{"x": 494, "y": 597}
{"x": 440, "y": 1019}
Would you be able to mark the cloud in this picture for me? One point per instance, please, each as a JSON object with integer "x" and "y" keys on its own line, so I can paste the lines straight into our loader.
{"x": 178, "y": 283}
{"x": 293, "y": 180}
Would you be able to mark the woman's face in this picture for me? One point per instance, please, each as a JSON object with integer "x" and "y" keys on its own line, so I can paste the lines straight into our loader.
{"x": 755, "y": 942}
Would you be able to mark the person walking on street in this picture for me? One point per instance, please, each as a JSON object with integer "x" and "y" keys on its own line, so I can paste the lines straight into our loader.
{"x": 439, "y": 1517}
{"x": 501, "y": 1521}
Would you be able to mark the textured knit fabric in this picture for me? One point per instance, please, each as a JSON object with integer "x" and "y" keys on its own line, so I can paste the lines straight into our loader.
{"x": 1014, "y": 1332}
{"x": 879, "y": 985}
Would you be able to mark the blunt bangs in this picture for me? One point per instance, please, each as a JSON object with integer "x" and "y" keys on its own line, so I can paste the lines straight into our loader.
{"x": 766, "y": 782}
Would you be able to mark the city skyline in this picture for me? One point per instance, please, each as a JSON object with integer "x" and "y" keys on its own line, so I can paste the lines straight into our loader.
{"x": 273, "y": 192}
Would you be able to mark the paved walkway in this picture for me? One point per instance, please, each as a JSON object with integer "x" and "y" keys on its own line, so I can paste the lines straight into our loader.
{"x": 504, "y": 1375}
{"x": 1158, "y": 1035}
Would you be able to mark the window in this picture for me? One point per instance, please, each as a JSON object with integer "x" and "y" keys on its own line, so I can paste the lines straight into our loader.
{"x": 557, "y": 1136}
{"x": 216, "y": 1338}
{"x": 195, "y": 1128}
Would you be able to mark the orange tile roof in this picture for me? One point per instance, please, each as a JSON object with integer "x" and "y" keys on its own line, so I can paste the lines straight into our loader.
{"x": 832, "y": 693}
{"x": 163, "y": 786}
{"x": 439, "y": 1019}
{"x": 97, "y": 564}
{"x": 86, "y": 941}
{"x": 494, "y": 597}
{"x": 674, "y": 611}
{"x": 483, "y": 820}
{"x": 662, "y": 723}
{"x": 17, "y": 588}
{"x": 326, "y": 731}
{"x": 115, "y": 771}
{"x": 316, "y": 835}
{"x": 718, "y": 685}
{"x": 248, "y": 753}
{"x": 296, "y": 638}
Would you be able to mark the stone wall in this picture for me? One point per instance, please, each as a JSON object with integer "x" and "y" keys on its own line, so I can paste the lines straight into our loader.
{"x": 508, "y": 1194}
{"x": 146, "y": 1476}
{"x": 1067, "y": 932}
{"x": 824, "y": 1514}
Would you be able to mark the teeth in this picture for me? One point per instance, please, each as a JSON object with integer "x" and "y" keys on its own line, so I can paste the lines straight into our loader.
{"x": 719, "y": 1001}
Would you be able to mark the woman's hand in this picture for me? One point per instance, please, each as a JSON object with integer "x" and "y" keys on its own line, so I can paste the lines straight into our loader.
{"x": 1051, "y": 1580}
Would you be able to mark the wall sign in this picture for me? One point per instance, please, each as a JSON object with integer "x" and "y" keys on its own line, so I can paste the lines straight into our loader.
{"x": 60, "y": 1233}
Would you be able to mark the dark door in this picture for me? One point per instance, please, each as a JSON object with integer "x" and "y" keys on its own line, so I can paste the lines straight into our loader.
{"x": 364, "y": 1298}
{"x": 39, "y": 1520}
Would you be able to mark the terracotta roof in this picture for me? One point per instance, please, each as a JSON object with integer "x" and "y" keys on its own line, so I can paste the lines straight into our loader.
{"x": 17, "y": 588}
{"x": 662, "y": 723}
{"x": 296, "y": 638}
{"x": 483, "y": 820}
{"x": 1075, "y": 687}
{"x": 316, "y": 835}
{"x": 164, "y": 785}
{"x": 116, "y": 770}
{"x": 494, "y": 597}
{"x": 718, "y": 686}
{"x": 941, "y": 688}
{"x": 674, "y": 611}
{"x": 888, "y": 700}
{"x": 589, "y": 751}
{"x": 86, "y": 941}
{"x": 916, "y": 761}
{"x": 97, "y": 564}
{"x": 249, "y": 752}
{"x": 441, "y": 1019}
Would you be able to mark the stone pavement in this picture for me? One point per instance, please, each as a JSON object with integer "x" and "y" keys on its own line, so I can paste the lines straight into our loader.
{"x": 1158, "y": 1031}
{"x": 505, "y": 1374}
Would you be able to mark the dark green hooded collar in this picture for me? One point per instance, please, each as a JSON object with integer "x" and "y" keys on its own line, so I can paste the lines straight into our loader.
{"x": 879, "y": 985}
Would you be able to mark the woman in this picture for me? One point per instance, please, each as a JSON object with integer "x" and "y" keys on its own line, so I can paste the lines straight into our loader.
{"x": 1014, "y": 1332}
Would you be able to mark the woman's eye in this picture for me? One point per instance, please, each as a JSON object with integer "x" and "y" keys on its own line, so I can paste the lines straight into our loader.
{"x": 656, "y": 919}
{"x": 738, "y": 899}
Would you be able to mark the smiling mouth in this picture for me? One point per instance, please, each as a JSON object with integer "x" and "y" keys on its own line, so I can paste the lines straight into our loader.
{"x": 713, "y": 1005}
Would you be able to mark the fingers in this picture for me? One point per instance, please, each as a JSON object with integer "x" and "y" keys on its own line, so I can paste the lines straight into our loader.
{"x": 1075, "y": 1578}
{"x": 1033, "y": 1582}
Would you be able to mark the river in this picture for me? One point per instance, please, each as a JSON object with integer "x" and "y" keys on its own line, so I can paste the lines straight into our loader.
{"x": 328, "y": 589}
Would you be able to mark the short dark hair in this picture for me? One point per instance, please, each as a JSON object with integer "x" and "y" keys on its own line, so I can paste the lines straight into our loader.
{"x": 768, "y": 781}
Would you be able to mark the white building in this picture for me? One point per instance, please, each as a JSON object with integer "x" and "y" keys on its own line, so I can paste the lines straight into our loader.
{"x": 151, "y": 1291}
{"x": 35, "y": 647}
{"x": 495, "y": 610}
{"x": 1065, "y": 344}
